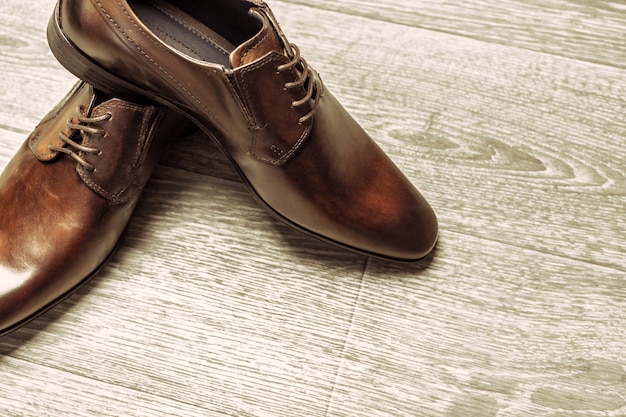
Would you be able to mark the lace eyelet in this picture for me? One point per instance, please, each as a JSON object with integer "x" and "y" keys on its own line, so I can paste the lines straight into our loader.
{"x": 78, "y": 150}
{"x": 306, "y": 78}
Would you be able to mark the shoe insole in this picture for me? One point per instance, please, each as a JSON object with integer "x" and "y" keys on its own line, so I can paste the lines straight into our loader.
{"x": 183, "y": 32}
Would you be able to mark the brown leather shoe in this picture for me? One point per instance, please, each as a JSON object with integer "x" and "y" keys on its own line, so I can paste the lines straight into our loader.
{"x": 67, "y": 196}
{"x": 227, "y": 65}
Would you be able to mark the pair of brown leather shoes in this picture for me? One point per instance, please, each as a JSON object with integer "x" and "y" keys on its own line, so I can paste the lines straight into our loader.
{"x": 225, "y": 65}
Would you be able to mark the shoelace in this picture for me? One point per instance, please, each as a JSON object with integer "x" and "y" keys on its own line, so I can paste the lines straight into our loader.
{"x": 307, "y": 77}
{"x": 82, "y": 126}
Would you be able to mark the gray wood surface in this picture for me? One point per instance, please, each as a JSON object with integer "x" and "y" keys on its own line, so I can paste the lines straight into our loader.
{"x": 509, "y": 116}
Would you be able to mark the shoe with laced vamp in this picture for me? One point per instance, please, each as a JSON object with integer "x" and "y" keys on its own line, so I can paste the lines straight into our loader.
{"x": 228, "y": 66}
{"x": 68, "y": 194}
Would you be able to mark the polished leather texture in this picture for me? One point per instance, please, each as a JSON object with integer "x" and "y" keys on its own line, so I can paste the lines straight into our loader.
{"x": 68, "y": 194}
{"x": 228, "y": 66}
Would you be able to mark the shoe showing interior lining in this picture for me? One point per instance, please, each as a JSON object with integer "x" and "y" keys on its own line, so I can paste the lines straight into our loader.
{"x": 183, "y": 32}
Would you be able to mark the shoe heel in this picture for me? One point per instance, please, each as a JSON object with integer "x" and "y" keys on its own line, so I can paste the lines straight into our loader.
{"x": 83, "y": 67}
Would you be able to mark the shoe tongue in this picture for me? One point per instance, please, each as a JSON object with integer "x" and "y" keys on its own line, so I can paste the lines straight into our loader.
{"x": 269, "y": 39}
{"x": 96, "y": 99}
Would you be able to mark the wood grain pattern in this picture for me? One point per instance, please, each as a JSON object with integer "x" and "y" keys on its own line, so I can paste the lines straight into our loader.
{"x": 524, "y": 334}
{"x": 52, "y": 392}
{"x": 210, "y": 307}
{"x": 586, "y": 30}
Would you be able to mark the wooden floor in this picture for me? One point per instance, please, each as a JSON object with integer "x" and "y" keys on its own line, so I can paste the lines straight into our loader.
{"x": 508, "y": 115}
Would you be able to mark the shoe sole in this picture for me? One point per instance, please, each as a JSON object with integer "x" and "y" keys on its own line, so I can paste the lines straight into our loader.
{"x": 79, "y": 64}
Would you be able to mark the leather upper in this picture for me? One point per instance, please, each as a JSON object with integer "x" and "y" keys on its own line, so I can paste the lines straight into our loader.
{"x": 65, "y": 205}
{"x": 230, "y": 68}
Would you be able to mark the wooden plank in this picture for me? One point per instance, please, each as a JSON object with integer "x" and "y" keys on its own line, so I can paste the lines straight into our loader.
{"x": 581, "y": 29}
{"x": 213, "y": 306}
{"x": 209, "y": 303}
{"x": 29, "y": 75}
{"x": 51, "y": 392}
{"x": 503, "y": 332}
